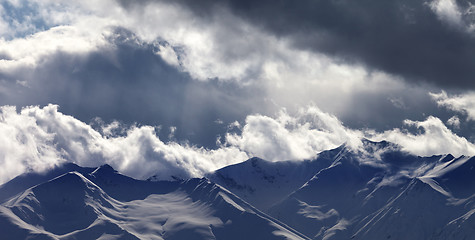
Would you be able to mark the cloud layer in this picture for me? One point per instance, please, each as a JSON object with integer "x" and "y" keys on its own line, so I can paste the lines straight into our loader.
{"x": 226, "y": 81}
{"x": 162, "y": 64}
{"x": 38, "y": 138}
{"x": 429, "y": 41}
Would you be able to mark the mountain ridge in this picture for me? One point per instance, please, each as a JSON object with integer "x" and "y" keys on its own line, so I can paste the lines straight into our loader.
{"x": 373, "y": 192}
{"x": 73, "y": 206}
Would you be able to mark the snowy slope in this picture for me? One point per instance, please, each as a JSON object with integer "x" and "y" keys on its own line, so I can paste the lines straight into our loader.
{"x": 399, "y": 196}
{"x": 376, "y": 192}
{"x": 79, "y": 206}
{"x": 263, "y": 183}
{"x": 30, "y": 179}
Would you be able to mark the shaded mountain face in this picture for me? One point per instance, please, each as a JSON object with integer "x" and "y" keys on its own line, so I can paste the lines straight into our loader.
{"x": 103, "y": 204}
{"x": 376, "y": 192}
{"x": 264, "y": 183}
{"x": 25, "y": 181}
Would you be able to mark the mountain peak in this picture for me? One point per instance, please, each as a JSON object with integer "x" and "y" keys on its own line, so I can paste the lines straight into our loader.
{"x": 104, "y": 169}
{"x": 30, "y": 179}
{"x": 255, "y": 159}
{"x": 68, "y": 182}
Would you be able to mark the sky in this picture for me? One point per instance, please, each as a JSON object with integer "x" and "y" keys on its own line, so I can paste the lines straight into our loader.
{"x": 184, "y": 87}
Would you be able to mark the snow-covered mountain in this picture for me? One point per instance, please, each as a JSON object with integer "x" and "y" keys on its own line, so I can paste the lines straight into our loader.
{"x": 263, "y": 183}
{"x": 375, "y": 192}
{"x": 103, "y": 204}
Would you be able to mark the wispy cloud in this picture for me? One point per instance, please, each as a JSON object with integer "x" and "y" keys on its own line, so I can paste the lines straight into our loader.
{"x": 463, "y": 103}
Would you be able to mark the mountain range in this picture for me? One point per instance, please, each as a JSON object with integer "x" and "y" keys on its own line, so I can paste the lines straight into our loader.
{"x": 377, "y": 191}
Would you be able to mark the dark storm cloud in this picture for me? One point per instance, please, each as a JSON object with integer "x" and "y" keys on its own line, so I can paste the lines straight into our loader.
{"x": 130, "y": 83}
{"x": 401, "y": 37}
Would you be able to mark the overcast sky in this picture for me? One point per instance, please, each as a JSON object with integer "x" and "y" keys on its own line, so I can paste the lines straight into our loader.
{"x": 184, "y": 87}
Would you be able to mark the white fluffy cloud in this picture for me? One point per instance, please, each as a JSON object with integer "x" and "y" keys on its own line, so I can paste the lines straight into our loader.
{"x": 286, "y": 137}
{"x": 38, "y": 138}
{"x": 29, "y": 51}
{"x": 23, "y": 146}
{"x": 432, "y": 138}
{"x": 49, "y": 27}
{"x": 464, "y": 103}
